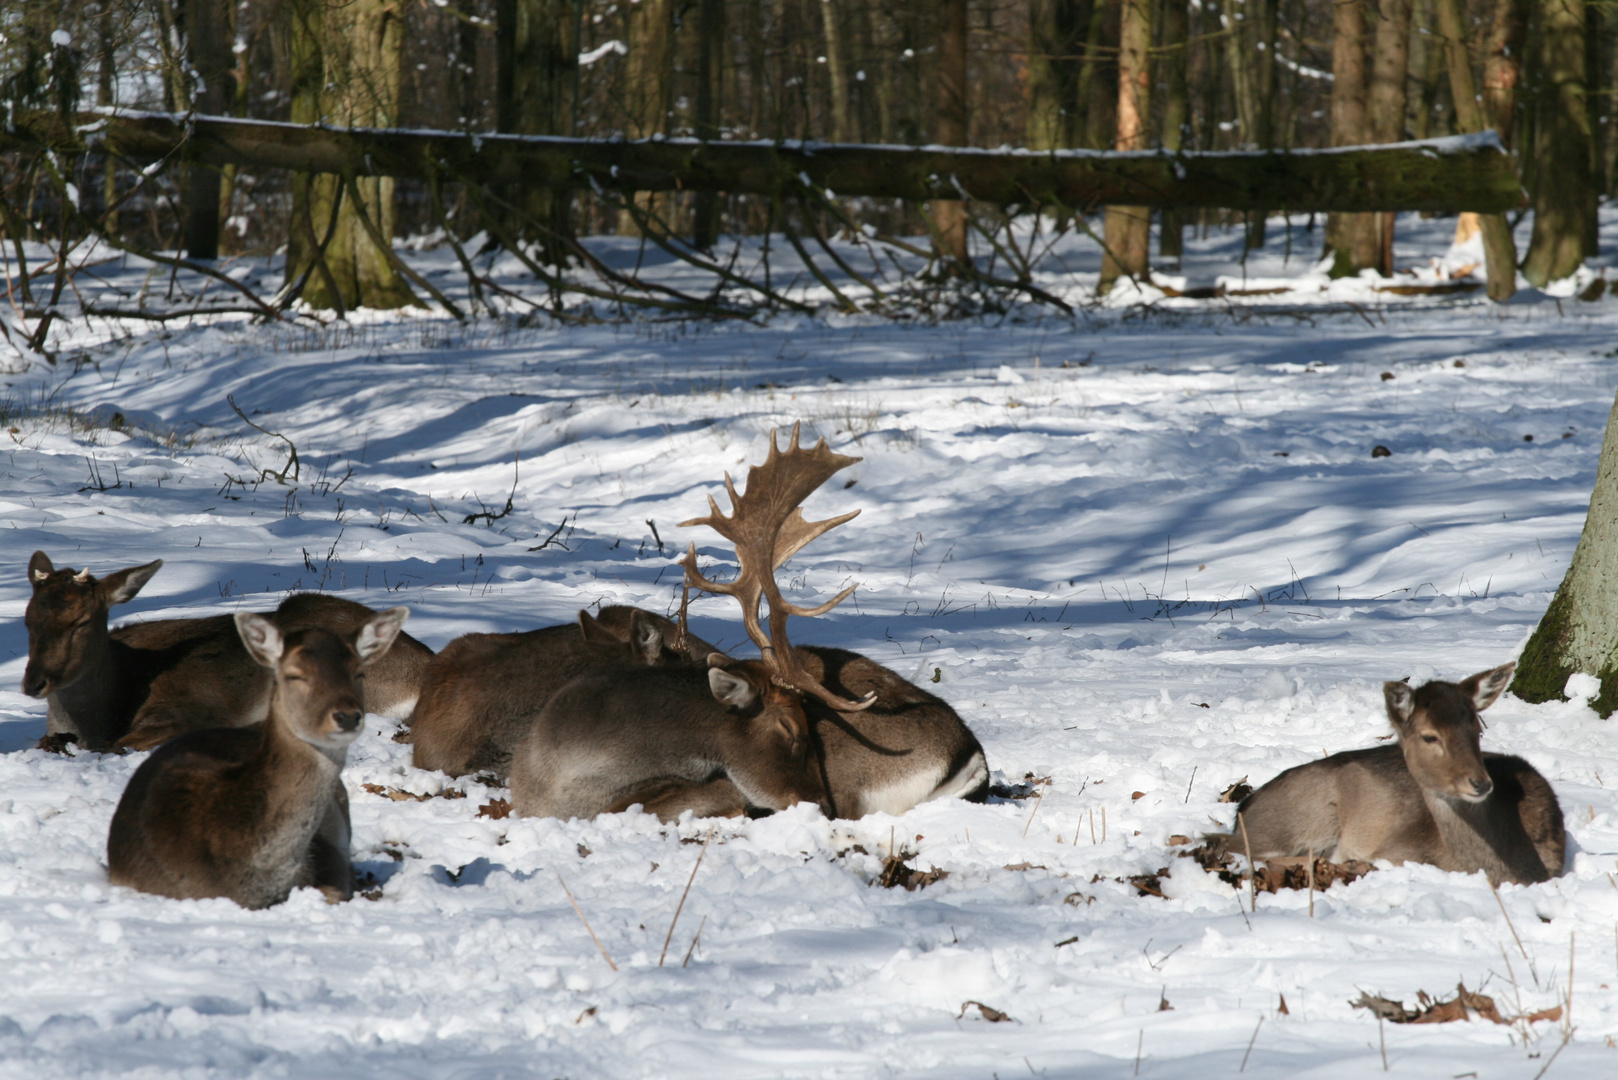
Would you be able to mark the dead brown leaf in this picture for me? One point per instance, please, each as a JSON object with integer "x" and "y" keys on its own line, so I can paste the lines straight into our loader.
{"x": 991, "y": 1014}
{"x": 1236, "y": 792}
{"x": 1463, "y": 1006}
{"x": 495, "y": 809}
{"x": 897, "y": 873}
{"x": 400, "y": 795}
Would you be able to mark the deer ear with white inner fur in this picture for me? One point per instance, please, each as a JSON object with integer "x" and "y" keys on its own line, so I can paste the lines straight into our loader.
{"x": 1401, "y": 701}
{"x": 378, "y": 635}
{"x": 1486, "y": 686}
{"x": 39, "y": 568}
{"x": 121, "y": 587}
{"x": 261, "y": 637}
{"x": 730, "y": 689}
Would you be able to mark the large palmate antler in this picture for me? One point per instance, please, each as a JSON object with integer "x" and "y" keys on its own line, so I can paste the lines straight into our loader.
{"x": 768, "y": 528}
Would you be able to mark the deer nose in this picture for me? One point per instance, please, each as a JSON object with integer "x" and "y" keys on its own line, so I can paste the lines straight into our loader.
{"x": 34, "y": 682}
{"x": 348, "y": 719}
{"x": 1482, "y": 786}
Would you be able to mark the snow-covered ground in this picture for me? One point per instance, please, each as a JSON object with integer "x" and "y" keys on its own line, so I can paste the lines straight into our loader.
{"x": 1145, "y": 552}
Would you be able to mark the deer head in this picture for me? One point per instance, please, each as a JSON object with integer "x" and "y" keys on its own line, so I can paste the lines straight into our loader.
{"x": 1439, "y": 731}
{"x": 67, "y": 619}
{"x": 767, "y": 528}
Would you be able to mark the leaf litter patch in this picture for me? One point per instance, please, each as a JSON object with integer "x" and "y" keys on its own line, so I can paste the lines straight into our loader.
{"x": 1463, "y": 1006}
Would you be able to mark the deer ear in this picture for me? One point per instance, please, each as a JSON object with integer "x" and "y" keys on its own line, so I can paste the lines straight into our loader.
{"x": 1401, "y": 702}
{"x": 39, "y": 568}
{"x": 646, "y": 637}
{"x": 378, "y": 635}
{"x": 729, "y": 689}
{"x": 261, "y": 637}
{"x": 121, "y": 587}
{"x": 592, "y": 631}
{"x": 1486, "y": 686}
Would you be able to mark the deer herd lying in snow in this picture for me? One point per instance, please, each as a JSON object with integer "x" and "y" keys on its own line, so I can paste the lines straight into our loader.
{"x": 250, "y": 717}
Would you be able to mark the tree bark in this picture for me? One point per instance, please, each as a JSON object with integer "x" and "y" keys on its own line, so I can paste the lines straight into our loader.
{"x": 346, "y": 59}
{"x": 536, "y": 91}
{"x": 1564, "y": 192}
{"x": 1390, "y": 65}
{"x": 1128, "y": 229}
{"x": 1579, "y": 632}
{"x": 208, "y": 47}
{"x": 1057, "y": 30}
{"x": 1176, "y": 115}
{"x": 1499, "y": 249}
{"x": 710, "y": 48}
{"x": 649, "y": 32}
{"x": 1350, "y": 239}
{"x": 1441, "y": 175}
{"x": 953, "y": 114}
{"x": 1265, "y": 32}
{"x": 1502, "y": 67}
{"x": 836, "y": 70}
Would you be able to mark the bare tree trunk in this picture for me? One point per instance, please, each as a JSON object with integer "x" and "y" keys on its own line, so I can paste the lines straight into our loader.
{"x": 1502, "y": 67}
{"x": 1057, "y": 30}
{"x": 1128, "y": 229}
{"x": 1350, "y": 238}
{"x": 353, "y": 51}
{"x": 953, "y": 113}
{"x": 1176, "y": 116}
{"x": 208, "y": 46}
{"x": 536, "y": 90}
{"x": 1389, "y": 69}
{"x": 1098, "y": 76}
{"x": 1564, "y": 194}
{"x": 1579, "y": 632}
{"x": 106, "y": 74}
{"x": 1265, "y": 18}
{"x": 836, "y": 69}
{"x": 711, "y": 43}
{"x": 1499, "y": 249}
{"x": 649, "y": 30}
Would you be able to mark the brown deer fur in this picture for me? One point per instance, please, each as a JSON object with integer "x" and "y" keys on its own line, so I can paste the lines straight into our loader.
{"x": 143, "y": 683}
{"x": 480, "y": 694}
{"x": 1434, "y": 797}
{"x": 252, "y": 813}
{"x": 669, "y": 739}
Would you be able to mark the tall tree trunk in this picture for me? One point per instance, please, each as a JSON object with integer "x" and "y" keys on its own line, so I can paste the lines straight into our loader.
{"x": 831, "y": 19}
{"x": 1098, "y": 76}
{"x": 1350, "y": 238}
{"x": 1564, "y": 194}
{"x": 346, "y": 61}
{"x": 1057, "y": 30}
{"x": 710, "y": 48}
{"x": 1264, "y": 16}
{"x": 1128, "y": 229}
{"x": 952, "y": 115}
{"x": 1579, "y": 632}
{"x": 1499, "y": 249}
{"x": 1386, "y": 98}
{"x": 106, "y": 76}
{"x": 1502, "y": 67}
{"x": 536, "y": 91}
{"x": 208, "y": 47}
{"x": 1176, "y": 116}
{"x": 649, "y": 31}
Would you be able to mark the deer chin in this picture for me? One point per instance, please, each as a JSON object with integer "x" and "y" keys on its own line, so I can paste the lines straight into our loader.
{"x": 1471, "y": 796}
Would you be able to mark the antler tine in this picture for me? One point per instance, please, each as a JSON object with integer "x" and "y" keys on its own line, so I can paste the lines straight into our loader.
{"x": 767, "y": 527}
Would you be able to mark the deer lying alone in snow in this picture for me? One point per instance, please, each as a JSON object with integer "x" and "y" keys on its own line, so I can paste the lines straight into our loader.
{"x": 144, "y": 683}
{"x": 750, "y": 733}
{"x": 479, "y": 695}
{"x": 253, "y": 813}
{"x": 1434, "y": 797}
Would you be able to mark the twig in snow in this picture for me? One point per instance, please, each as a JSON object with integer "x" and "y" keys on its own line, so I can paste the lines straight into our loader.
{"x": 681, "y": 905}
{"x": 586, "y": 923}
{"x": 1252, "y": 871}
{"x": 1192, "y": 781}
{"x": 1253, "y": 1040}
{"x": 694, "y": 939}
{"x": 1035, "y": 810}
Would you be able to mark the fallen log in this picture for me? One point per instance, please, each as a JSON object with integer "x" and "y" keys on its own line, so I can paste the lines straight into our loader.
{"x": 1470, "y": 172}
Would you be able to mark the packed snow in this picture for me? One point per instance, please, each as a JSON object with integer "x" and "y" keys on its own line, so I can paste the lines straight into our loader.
{"x": 1145, "y": 551}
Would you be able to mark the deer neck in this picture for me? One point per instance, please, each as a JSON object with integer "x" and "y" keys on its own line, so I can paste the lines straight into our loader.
{"x": 294, "y": 782}
{"x": 1486, "y": 836}
{"x": 91, "y": 704}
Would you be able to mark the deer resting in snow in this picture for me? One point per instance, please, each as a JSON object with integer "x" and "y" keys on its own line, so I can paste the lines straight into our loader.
{"x": 818, "y": 725}
{"x": 1434, "y": 797}
{"x": 253, "y": 813}
{"x": 144, "y": 683}
{"x": 480, "y": 694}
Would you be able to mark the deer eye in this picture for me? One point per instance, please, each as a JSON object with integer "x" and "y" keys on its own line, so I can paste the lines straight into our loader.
{"x": 1429, "y": 738}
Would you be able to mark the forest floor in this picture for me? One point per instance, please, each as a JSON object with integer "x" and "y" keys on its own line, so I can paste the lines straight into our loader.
{"x": 1146, "y": 552}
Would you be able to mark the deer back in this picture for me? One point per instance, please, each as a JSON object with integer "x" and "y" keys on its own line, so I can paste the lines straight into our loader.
{"x": 252, "y": 813}
{"x": 612, "y": 739}
{"x": 481, "y": 693}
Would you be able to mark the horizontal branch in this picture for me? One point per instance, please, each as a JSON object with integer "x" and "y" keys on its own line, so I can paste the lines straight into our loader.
{"x": 1471, "y": 172}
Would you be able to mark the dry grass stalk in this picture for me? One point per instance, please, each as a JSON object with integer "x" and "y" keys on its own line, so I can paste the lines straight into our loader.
{"x": 681, "y": 905}
{"x": 586, "y": 923}
{"x": 694, "y": 939}
{"x": 1035, "y": 810}
{"x": 1252, "y": 871}
{"x": 1250, "y": 1043}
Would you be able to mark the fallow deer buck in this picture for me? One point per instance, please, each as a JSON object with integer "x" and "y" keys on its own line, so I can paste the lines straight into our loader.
{"x": 143, "y": 683}
{"x": 482, "y": 691}
{"x": 761, "y": 733}
{"x": 1433, "y": 797}
{"x": 252, "y": 813}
